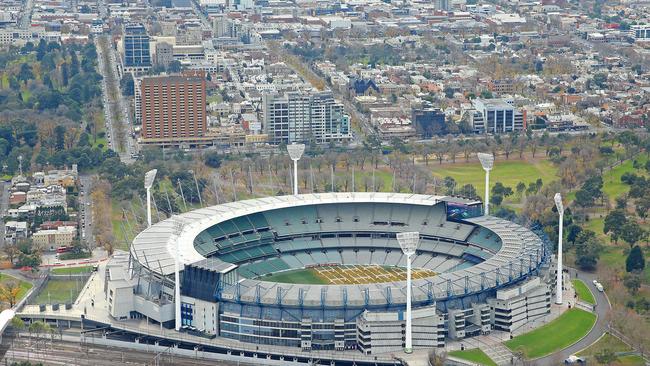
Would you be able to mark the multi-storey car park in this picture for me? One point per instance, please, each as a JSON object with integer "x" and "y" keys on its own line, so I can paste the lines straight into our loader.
{"x": 203, "y": 272}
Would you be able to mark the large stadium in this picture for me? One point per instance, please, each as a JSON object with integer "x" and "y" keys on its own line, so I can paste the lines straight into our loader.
{"x": 325, "y": 271}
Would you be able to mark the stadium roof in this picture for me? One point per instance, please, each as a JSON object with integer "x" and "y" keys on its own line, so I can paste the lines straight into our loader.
{"x": 155, "y": 246}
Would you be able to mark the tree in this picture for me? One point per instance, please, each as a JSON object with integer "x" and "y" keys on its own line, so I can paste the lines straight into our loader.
{"x": 572, "y": 232}
{"x": 643, "y": 207}
{"x": 213, "y": 159}
{"x": 450, "y": 184}
{"x": 635, "y": 260}
{"x": 589, "y": 192}
{"x": 588, "y": 249}
{"x": 632, "y": 233}
{"x": 521, "y": 187}
{"x": 9, "y": 292}
{"x": 437, "y": 358}
{"x": 606, "y": 356}
{"x": 613, "y": 223}
{"x": 496, "y": 199}
{"x": 632, "y": 282}
{"x": 25, "y": 73}
{"x": 17, "y": 323}
{"x": 501, "y": 190}
{"x": 12, "y": 251}
{"x": 127, "y": 84}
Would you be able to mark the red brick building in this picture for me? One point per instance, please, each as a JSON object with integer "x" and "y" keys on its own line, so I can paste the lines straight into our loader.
{"x": 173, "y": 108}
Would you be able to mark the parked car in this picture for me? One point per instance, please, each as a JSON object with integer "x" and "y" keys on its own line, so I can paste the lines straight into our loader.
{"x": 573, "y": 359}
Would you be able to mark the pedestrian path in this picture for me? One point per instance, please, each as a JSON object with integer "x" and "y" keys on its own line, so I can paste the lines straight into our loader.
{"x": 499, "y": 353}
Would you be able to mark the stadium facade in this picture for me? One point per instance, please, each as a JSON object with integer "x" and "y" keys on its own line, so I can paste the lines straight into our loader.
{"x": 490, "y": 273}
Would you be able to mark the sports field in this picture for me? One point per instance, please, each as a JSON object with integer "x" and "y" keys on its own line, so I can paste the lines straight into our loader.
{"x": 508, "y": 172}
{"x": 346, "y": 275}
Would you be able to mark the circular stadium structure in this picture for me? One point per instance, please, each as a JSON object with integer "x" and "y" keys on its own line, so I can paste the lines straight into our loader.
{"x": 323, "y": 271}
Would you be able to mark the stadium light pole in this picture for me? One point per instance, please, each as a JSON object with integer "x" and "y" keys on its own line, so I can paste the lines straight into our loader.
{"x": 409, "y": 243}
{"x": 178, "y": 229}
{"x": 487, "y": 162}
{"x": 295, "y": 153}
{"x": 560, "y": 211}
{"x": 148, "y": 183}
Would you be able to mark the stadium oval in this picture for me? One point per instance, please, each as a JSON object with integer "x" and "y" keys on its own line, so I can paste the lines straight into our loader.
{"x": 226, "y": 251}
{"x": 489, "y": 273}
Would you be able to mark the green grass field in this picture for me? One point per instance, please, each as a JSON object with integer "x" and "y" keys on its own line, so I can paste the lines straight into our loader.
{"x": 507, "y": 172}
{"x": 59, "y": 292}
{"x": 24, "y": 286}
{"x": 474, "y": 355}
{"x": 305, "y": 276}
{"x": 609, "y": 342}
{"x": 72, "y": 270}
{"x": 562, "y": 332}
{"x": 583, "y": 292}
{"x": 612, "y": 185}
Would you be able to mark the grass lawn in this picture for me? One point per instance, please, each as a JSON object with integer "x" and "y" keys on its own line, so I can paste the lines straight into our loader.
{"x": 24, "y": 287}
{"x": 583, "y": 292}
{"x": 507, "y": 172}
{"x": 72, "y": 270}
{"x": 59, "y": 292}
{"x": 474, "y": 355}
{"x": 614, "y": 344}
{"x": 303, "y": 276}
{"x": 562, "y": 332}
{"x": 612, "y": 184}
{"x": 630, "y": 360}
{"x": 607, "y": 341}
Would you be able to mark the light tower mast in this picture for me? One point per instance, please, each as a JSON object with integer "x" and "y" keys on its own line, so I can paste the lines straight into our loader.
{"x": 560, "y": 211}
{"x": 409, "y": 243}
{"x": 487, "y": 162}
{"x": 148, "y": 183}
{"x": 295, "y": 153}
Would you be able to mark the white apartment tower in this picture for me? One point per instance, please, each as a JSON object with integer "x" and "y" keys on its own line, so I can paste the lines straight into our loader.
{"x": 304, "y": 117}
{"x": 496, "y": 116}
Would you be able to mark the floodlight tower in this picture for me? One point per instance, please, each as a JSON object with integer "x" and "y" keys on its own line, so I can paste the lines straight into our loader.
{"x": 487, "y": 162}
{"x": 148, "y": 183}
{"x": 295, "y": 153}
{"x": 20, "y": 164}
{"x": 409, "y": 243}
{"x": 178, "y": 230}
{"x": 560, "y": 211}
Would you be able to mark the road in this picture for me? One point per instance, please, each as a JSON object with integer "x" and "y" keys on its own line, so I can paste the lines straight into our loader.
{"x": 85, "y": 210}
{"x": 4, "y": 206}
{"x": 602, "y": 308}
{"x": 118, "y": 121}
{"x": 26, "y": 16}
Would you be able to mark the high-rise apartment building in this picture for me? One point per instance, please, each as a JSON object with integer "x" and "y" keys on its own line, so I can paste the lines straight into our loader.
{"x": 304, "y": 117}
{"x": 164, "y": 54}
{"x": 496, "y": 116}
{"x": 443, "y": 5}
{"x": 137, "y": 53}
{"x": 173, "y": 108}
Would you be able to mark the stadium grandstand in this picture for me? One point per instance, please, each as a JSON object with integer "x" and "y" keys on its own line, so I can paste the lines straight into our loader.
{"x": 325, "y": 272}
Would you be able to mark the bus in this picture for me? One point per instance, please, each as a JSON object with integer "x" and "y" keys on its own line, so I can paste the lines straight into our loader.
{"x": 63, "y": 249}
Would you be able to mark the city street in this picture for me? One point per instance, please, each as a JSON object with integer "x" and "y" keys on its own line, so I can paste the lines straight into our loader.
{"x": 118, "y": 122}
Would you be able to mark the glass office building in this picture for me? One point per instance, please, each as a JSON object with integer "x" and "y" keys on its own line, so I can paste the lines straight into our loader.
{"x": 136, "y": 47}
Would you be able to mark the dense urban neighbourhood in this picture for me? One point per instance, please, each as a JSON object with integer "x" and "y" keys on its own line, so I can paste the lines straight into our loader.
{"x": 386, "y": 96}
